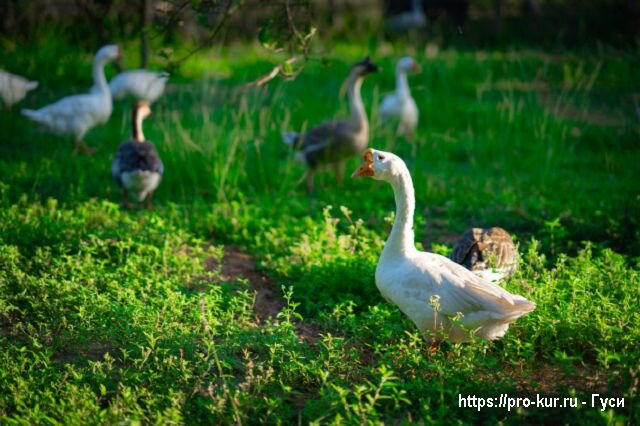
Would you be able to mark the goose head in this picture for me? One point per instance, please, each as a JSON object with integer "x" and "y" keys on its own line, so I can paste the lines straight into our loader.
{"x": 109, "y": 53}
{"x": 380, "y": 165}
{"x": 142, "y": 109}
{"x": 408, "y": 64}
{"x": 364, "y": 67}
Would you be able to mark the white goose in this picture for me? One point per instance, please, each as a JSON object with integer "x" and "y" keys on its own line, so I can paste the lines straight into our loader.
{"x": 430, "y": 289}
{"x": 76, "y": 115}
{"x": 14, "y": 88}
{"x": 141, "y": 85}
{"x": 400, "y": 108}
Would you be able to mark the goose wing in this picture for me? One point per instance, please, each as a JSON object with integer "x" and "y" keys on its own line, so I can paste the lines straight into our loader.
{"x": 500, "y": 250}
{"x": 328, "y": 142}
{"x": 70, "y": 114}
{"x": 460, "y": 290}
{"x": 479, "y": 249}
{"x": 136, "y": 156}
{"x": 465, "y": 251}
{"x": 388, "y": 106}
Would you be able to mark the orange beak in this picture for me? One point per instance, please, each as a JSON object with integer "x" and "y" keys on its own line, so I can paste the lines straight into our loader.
{"x": 366, "y": 168}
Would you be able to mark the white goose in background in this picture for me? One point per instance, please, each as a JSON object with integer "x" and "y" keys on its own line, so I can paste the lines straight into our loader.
{"x": 487, "y": 252}
{"x": 400, "y": 108}
{"x": 137, "y": 167}
{"x": 14, "y": 88}
{"x": 76, "y": 115}
{"x": 140, "y": 85}
{"x": 445, "y": 300}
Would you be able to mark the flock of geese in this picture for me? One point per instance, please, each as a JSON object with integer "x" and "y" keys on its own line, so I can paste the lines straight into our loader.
{"x": 452, "y": 299}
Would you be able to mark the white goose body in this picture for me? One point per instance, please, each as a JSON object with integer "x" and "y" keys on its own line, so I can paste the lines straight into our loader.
{"x": 400, "y": 108}
{"x": 443, "y": 299}
{"x": 76, "y": 115}
{"x": 13, "y": 88}
{"x": 141, "y": 85}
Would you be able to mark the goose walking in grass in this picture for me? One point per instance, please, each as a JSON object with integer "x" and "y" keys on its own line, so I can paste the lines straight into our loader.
{"x": 76, "y": 115}
{"x": 445, "y": 300}
{"x": 137, "y": 167}
{"x": 335, "y": 142}
{"x": 487, "y": 252}
{"x": 399, "y": 108}
{"x": 14, "y": 88}
{"x": 139, "y": 85}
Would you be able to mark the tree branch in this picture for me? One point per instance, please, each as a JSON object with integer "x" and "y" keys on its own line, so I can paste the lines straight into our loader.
{"x": 276, "y": 71}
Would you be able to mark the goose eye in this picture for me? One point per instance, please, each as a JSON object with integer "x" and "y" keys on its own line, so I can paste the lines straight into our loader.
{"x": 380, "y": 157}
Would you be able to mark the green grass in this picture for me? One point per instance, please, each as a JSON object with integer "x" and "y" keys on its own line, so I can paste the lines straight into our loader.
{"x": 112, "y": 317}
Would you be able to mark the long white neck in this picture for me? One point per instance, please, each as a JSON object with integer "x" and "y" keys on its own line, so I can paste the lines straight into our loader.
{"x": 99, "y": 80}
{"x": 402, "y": 85}
{"x": 401, "y": 239}
{"x": 358, "y": 114}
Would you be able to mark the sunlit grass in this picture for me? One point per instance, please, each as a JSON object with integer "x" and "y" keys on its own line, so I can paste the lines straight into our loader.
{"x": 109, "y": 316}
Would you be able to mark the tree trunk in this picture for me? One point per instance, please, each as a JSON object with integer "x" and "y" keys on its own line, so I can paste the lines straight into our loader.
{"x": 146, "y": 15}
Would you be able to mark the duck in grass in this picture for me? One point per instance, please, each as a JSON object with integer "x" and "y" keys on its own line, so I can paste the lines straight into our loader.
{"x": 137, "y": 167}
{"x": 445, "y": 300}
{"x": 76, "y": 115}
{"x": 487, "y": 252}
{"x": 334, "y": 142}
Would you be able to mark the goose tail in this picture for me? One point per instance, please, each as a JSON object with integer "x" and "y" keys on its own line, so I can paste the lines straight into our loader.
{"x": 521, "y": 306}
{"x": 291, "y": 138}
{"x": 32, "y": 115}
{"x": 525, "y": 305}
{"x": 496, "y": 328}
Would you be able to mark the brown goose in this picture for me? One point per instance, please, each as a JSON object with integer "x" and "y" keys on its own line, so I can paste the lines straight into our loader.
{"x": 488, "y": 252}
{"x": 334, "y": 142}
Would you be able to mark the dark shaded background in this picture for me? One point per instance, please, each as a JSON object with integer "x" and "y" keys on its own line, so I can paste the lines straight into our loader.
{"x": 480, "y": 23}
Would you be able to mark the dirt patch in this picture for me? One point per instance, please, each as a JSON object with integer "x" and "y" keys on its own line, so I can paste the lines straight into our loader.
{"x": 551, "y": 379}
{"x": 236, "y": 264}
{"x": 268, "y": 303}
{"x": 92, "y": 351}
{"x": 309, "y": 333}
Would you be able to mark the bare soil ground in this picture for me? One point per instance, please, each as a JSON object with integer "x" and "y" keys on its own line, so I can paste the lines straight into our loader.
{"x": 268, "y": 301}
